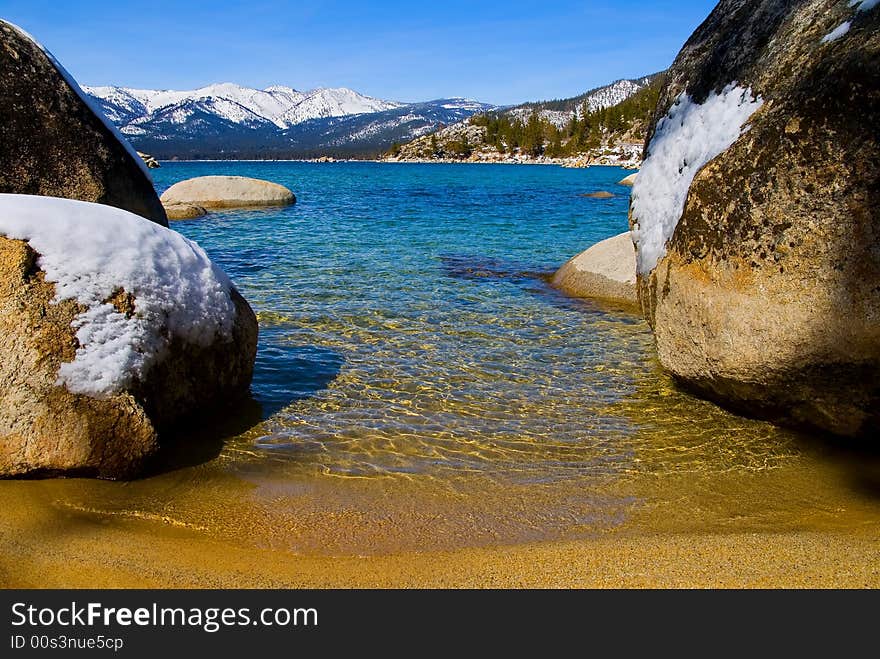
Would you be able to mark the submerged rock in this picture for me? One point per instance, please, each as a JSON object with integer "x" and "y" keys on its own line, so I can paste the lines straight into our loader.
{"x": 601, "y": 194}
{"x": 607, "y": 270}
{"x": 53, "y": 143}
{"x": 755, "y": 213}
{"x": 184, "y": 211}
{"x": 628, "y": 180}
{"x": 227, "y": 192}
{"x": 112, "y": 329}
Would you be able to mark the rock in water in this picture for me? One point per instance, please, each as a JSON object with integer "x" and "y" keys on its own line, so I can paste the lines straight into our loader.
{"x": 53, "y": 143}
{"x": 184, "y": 211}
{"x": 601, "y": 194}
{"x": 628, "y": 180}
{"x": 112, "y": 329}
{"x": 755, "y": 213}
{"x": 227, "y": 192}
{"x": 607, "y": 270}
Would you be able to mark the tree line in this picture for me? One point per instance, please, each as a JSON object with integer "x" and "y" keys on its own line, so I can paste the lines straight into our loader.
{"x": 584, "y": 131}
{"x": 536, "y": 135}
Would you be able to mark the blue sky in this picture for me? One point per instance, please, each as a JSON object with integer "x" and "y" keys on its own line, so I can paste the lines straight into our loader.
{"x": 500, "y": 52}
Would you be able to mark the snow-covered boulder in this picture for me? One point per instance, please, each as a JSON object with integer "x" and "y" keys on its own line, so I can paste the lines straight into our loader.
{"x": 112, "y": 328}
{"x": 607, "y": 270}
{"x": 755, "y": 213}
{"x": 227, "y": 192}
{"x": 54, "y": 143}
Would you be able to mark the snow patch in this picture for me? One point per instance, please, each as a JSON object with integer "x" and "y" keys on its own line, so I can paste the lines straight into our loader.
{"x": 843, "y": 28}
{"x": 688, "y": 137}
{"x": 91, "y": 252}
{"x": 837, "y": 32}
{"x": 88, "y": 100}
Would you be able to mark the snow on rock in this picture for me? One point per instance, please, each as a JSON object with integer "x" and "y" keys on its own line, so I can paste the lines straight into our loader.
{"x": 92, "y": 253}
{"x": 837, "y": 32}
{"x": 687, "y": 138}
{"x": 88, "y": 100}
{"x": 843, "y": 28}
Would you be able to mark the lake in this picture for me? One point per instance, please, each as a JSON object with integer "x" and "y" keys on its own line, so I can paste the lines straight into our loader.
{"x": 420, "y": 387}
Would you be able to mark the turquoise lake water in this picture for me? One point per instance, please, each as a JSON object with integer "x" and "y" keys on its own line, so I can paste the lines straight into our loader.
{"x": 406, "y": 327}
{"x": 419, "y": 386}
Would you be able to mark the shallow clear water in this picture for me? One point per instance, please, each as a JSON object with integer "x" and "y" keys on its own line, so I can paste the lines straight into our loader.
{"x": 406, "y": 326}
{"x": 418, "y": 385}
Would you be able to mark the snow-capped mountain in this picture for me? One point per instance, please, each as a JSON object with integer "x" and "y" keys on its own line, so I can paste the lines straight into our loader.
{"x": 559, "y": 112}
{"x": 614, "y": 94}
{"x": 279, "y": 105}
{"x": 468, "y": 139}
{"x": 225, "y": 120}
{"x": 231, "y": 121}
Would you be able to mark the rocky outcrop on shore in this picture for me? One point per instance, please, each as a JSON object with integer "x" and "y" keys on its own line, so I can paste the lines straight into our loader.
{"x": 112, "y": 329}
{"x": 149, "y": 160}
{"x": 607, "y": 270}
{"x": 755, "y": 213}
{"x": 464, "y": 143}
{"x": 227, "y": 192}
{"x": 53, "y": 143}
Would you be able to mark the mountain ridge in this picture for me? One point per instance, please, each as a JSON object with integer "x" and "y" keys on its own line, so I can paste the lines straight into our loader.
{"x": 278, "y": 104}
{"x": 604, "y": 125}
{"x": 227, "y": 120}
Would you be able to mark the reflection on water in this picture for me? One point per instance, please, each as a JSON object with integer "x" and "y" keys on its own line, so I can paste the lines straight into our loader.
{"x": 419, "y": 385}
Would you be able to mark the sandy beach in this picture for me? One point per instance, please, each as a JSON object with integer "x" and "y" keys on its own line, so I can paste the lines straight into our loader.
{"x": 132, "y": 554}
{"x": 809, "y": 521}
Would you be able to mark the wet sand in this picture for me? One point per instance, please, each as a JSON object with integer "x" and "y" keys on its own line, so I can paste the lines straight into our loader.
{"x": 811, "y": 522}
{"x": 135, "y": 555}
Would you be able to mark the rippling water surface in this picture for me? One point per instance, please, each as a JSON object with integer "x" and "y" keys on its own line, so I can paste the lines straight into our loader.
{"x": 419, "y": 385}
{"x": 406, "y": 326}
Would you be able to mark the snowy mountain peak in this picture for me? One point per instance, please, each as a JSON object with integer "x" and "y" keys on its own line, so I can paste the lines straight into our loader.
{"x": 559, "y": 112}
{"x": 281, "y": 88}
{"x": 279, "y": 105}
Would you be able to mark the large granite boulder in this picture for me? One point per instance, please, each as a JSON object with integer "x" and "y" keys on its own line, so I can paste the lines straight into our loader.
{"x": 227, "y": 192}
{"x": 607, "y": 270}
{"x": 112, "y": 330}
{"x": 53, "y": 143}
{"x": 755, "y": 213}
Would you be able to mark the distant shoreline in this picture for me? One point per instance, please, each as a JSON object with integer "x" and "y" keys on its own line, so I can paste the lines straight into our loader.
{"x": 393, "y": 162}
